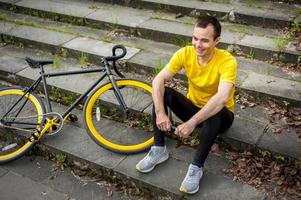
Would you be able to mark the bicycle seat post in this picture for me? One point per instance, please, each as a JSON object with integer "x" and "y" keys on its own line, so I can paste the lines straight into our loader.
{"x": 42, "y": 73}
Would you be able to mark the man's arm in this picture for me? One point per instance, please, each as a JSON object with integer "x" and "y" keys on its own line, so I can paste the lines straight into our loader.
{"x": 213, "y": 106}
{"x": 162, "y": 120}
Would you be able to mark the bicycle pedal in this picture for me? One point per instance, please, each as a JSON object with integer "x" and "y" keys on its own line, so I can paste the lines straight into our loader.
{"x": 73, "y": 118}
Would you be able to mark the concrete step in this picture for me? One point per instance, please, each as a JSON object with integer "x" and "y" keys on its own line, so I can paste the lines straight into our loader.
{"x": 163, "y": 180}
{"x": 250, "y": 130}
{"x": 160, "y": 26}
{"x": 258, "y": 13}
{"x": 147, "y": 56}
{"x": 74, "y": 142}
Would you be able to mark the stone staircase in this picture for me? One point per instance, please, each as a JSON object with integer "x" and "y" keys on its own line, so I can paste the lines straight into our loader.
{"x": 152, "y": 31}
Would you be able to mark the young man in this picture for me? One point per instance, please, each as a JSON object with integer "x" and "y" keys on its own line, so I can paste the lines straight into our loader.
{"x": 209, "y": 104}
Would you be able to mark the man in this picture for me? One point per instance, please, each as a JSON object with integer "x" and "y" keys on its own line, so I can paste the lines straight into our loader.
{"x": 209, "y": 104}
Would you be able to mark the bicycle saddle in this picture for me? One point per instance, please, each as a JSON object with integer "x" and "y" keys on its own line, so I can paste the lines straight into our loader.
{"x": 36, "y": 63}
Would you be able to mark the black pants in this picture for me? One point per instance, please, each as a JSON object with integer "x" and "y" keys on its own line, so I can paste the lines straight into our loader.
{"x": 184, "y": 109}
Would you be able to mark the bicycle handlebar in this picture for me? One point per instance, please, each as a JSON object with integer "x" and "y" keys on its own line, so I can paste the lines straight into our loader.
{"x": 114, "y": 57}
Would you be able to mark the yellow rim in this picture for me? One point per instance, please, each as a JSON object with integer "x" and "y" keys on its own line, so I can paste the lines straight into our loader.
{"x": 39, "y": 109}
{"x": 94, "y": 132}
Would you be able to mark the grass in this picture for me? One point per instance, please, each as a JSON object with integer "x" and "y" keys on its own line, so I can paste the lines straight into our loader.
{"x": 64, "y": 53}
{"x": 54, "y": 15}
{"x": 297, "y": 11}
{"x": 61, "y": 97}
{"x": 250, "y": 55}
{"x": 159, "y": 66}
{"x": 115, "y": 24}
{"x": 146, "y": 120}
{"x": 182, "y": 42}
{"x": 83, "y": 59}
{"x": 295, "y": 27}
{"x": 281, "y": 42}
{"x": 286, "y": 104}
{"x": 60, "y": 160}
{"x": 56, "y": 62}
{"x": 16, "y": 21}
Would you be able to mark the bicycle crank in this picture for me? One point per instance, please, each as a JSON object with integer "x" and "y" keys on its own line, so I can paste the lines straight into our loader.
{"x": 55, "y": 121}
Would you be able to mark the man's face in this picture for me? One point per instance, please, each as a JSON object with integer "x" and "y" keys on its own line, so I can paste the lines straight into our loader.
{"x": 203, "y": 40}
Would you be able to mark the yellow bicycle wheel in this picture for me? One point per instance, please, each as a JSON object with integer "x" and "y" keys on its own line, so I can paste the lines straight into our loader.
{"x": 109, "y": 127}
{"x": 17, "y": 123}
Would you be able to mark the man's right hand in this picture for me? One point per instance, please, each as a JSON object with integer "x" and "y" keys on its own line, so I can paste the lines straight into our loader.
{"x": 163, "y": 122}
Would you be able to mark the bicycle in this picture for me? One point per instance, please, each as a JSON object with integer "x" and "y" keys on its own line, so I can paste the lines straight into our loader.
{"x": 24, "y": 119}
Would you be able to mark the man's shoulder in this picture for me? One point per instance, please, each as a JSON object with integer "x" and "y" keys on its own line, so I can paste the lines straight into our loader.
{"x": 224, "y": 55}
{"x": 186, "y": 50}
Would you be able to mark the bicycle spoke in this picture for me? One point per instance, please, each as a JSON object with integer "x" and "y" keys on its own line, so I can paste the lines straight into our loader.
{"x": 20, "y": 116}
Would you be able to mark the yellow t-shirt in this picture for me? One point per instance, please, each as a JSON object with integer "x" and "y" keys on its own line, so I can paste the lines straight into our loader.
{"x": 203, "y": 81}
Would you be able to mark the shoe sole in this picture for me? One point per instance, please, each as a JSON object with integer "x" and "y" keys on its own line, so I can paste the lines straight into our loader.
{"x": 192, "y": 192}
{"x": 151, "y": 169}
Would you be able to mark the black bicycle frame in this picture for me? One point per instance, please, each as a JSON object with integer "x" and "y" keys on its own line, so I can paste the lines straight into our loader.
{"x": 44, "y": 75}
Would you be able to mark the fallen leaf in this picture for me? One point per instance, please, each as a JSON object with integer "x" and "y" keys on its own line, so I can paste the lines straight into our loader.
{"x": 277, "y": 130}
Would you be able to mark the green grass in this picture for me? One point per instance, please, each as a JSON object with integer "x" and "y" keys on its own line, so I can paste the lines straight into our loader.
{"x": 60, "y": 160}
{"x": 16, "y": 21}
{"x": 56, "y": 62}
{"x": 281, "y": 42}
{"x": 54, "y": 15}
{"x": 295, "y": 27}
{"x": 250, "y": 55}
{"x": 64, "y": 53}
{"x": 182, "y": 43}
{"x": 297, "y": 11}
{"x": 83, "y": 59}
{"x": 115, "y": 24}
{"x": 159, "y": 66}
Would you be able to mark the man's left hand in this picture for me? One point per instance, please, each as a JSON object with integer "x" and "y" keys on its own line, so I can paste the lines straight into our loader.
{"x": 185, "y": 129}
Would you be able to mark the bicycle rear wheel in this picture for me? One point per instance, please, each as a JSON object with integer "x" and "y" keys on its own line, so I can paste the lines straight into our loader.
{"x": 107, "y": 124}
{"x": 20, "y": 116}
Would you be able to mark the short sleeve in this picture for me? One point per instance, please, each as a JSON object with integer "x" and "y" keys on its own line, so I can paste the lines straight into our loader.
{"x": 176, "y": 62}
{"x": 228, "y": 70}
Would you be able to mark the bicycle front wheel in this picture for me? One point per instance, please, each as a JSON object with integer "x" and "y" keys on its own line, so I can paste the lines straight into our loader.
{"x": 20, "y": 116}
{"x": 106, "y": 123}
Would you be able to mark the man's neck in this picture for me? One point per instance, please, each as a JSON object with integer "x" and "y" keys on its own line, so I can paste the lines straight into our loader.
{"x": 204, "y": 60}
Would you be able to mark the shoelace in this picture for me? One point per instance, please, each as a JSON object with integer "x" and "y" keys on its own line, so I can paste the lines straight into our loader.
{"x": 192, "y": 173}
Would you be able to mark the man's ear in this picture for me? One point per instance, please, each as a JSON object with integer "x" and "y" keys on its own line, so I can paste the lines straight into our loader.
{"x": 217, "y": 40}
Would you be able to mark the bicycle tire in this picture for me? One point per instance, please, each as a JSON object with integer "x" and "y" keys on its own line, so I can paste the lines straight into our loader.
{"x": 137, "y": 96}
{"x": 33, "y": 106}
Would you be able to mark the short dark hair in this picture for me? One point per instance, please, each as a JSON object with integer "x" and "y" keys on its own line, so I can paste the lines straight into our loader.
{"x": 204, "y": 21}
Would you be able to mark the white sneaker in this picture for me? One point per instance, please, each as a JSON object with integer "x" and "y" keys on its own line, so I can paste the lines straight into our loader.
{"x": 155, "y": 156}
{"x": 190, "y": 184}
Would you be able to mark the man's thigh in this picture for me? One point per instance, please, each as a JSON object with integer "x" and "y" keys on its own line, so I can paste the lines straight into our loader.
{"x": 182, "y": 107}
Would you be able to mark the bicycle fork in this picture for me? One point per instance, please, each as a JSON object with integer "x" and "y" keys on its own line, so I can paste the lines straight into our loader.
{"x": 119, "y": 96}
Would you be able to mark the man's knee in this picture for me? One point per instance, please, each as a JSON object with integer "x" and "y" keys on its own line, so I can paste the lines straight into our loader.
{"x": 213, "y": 123}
